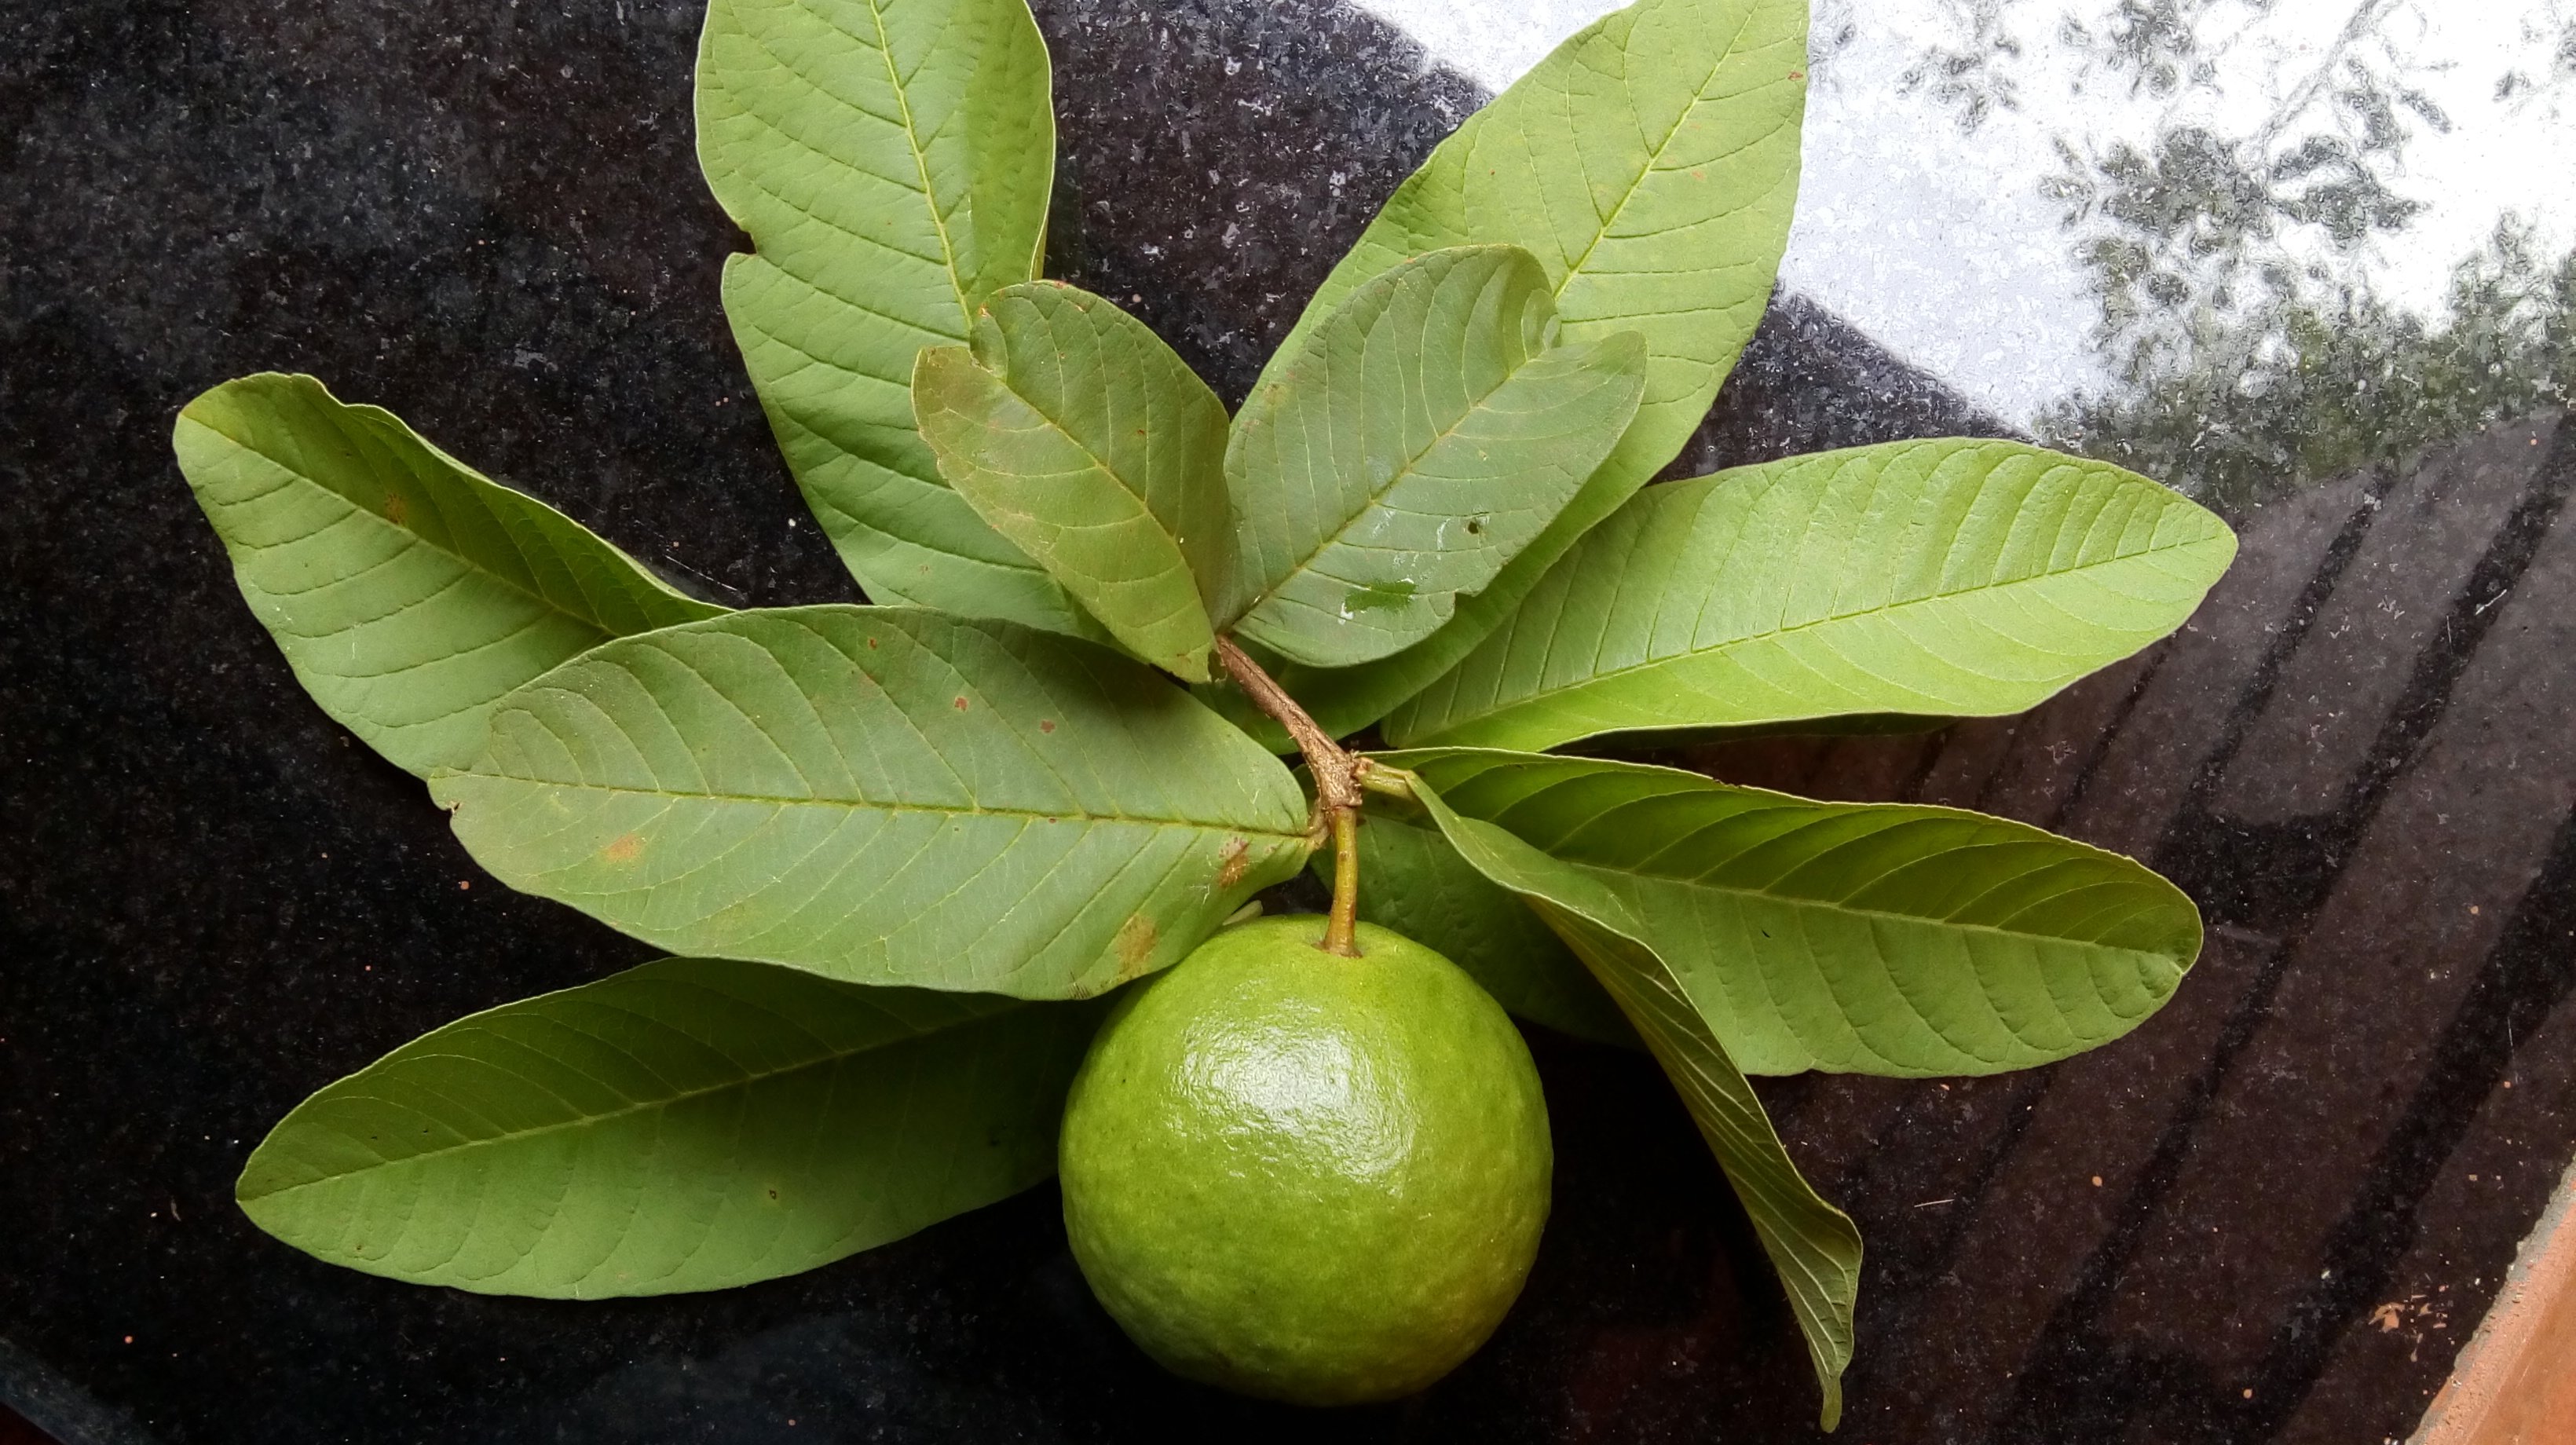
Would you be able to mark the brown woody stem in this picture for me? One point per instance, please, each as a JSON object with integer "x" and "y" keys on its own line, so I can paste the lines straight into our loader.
{"x": 1337, "y": 789}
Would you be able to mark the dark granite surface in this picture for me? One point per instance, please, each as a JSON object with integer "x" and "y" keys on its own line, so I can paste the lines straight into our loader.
{"x": 2270, "y": 1215}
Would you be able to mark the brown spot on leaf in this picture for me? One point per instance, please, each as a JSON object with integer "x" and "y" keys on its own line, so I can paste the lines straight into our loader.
{"x": 624, "y": 848}
{"x": 1231, "y": 862}
{"x": 396, "y": 509}
{"x": 1135, "y": 945}
{"x": 961, "y": 704}
{"x": 1046, "y": 724}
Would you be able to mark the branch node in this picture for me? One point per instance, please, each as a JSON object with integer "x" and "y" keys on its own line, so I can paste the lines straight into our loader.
{"x": 1338, "y": 789}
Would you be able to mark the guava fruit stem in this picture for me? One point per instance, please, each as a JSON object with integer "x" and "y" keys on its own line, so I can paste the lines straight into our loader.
{"x": 1342, "y": 925}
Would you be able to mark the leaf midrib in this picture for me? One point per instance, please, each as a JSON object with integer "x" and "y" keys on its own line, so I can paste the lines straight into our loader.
{"x": 1688, "y": 654}
{"x": 921, "y": 167}
{"x": 586, "y": 1121}
{"x": 1099, "y": 463}
{"x": 1699, "y": 94}
{"x": 413, "y": 537}
{"x": 1608, "y": 876}
{"x": 1790, "y": 1197}
{"x": 1611, "y": 876}
{"x": 1378, "y": 497}
{"x": 865, "y": 805}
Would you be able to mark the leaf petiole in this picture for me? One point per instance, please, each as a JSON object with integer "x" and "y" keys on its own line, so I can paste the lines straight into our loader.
{"x": 1386, "y": 782}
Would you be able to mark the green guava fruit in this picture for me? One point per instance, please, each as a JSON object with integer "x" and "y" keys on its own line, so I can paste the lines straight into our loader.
{"x": 1306, "y": 1177}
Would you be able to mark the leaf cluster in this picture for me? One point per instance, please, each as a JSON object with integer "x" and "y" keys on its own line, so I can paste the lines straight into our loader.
{"x": 891, "y": 847}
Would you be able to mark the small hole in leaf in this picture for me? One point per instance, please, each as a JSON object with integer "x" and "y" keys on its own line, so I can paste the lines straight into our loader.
{"x": 1475, "y": 526}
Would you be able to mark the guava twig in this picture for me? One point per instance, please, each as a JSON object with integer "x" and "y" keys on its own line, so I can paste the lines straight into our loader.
{"x": 1337, "y": 789}
{"x": 1336, "y": 785}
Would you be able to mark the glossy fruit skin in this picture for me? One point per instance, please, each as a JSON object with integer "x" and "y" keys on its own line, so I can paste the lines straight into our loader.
{"x": 1305, "y": 1177}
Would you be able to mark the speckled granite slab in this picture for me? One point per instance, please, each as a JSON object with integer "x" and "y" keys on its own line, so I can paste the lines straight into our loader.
{"x": 2270, "y": 1215}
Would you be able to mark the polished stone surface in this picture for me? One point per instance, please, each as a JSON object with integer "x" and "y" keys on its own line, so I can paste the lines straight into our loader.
{"x": 2269, "y": 1215}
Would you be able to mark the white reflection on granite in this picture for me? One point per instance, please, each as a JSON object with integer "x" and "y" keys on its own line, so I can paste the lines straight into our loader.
{"x": 1941, "y": 135}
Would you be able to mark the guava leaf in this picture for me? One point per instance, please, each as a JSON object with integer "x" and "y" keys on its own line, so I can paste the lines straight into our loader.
{"x": 1814, "y": 1246}
{"x": 891, "y": 160}
{"x": 1875, "y": 938}
{"x": 1413, "y": 881}
{"x": 1949, "y": 578}
{"x": 687, "y": 1125}
{"x": 1398, "y": 453}
{"x": 884, "y": 796}
{"x": 407, "y": 591}
{"x": 1074, "y": 432}
{"x": 1651, "y": 164}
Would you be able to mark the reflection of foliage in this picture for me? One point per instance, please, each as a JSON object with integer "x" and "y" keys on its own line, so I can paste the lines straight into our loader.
{"x": 2155, "y": 41}
{"x": 2248, "y": 349}
{"x": 2302, "y": 388}
{"x": 1831, "y": 28}
{"x": 2238, "y": 191}
{"x": 1973, "y": 76}
{"x": 2198, "y": 222}
{"x": 2550, "y": 39}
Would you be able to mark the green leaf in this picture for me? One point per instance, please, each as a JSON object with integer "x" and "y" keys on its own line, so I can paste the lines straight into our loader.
{"x": 1076, "y": 433}
{"x": 1939, "y": 579}
{"x": 1862, "y": 937}
{"x": 1410, "y": 444}
{"x": 687, "y": 1125}
{"x": 891, "y": 160}
{"x": 408, "y": 591}
{"x": 1813, "y": 1245}
{"x": 1651, "y": 164}
{"x": 881, "y": 795}
{"x": 1413, "y": 881}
